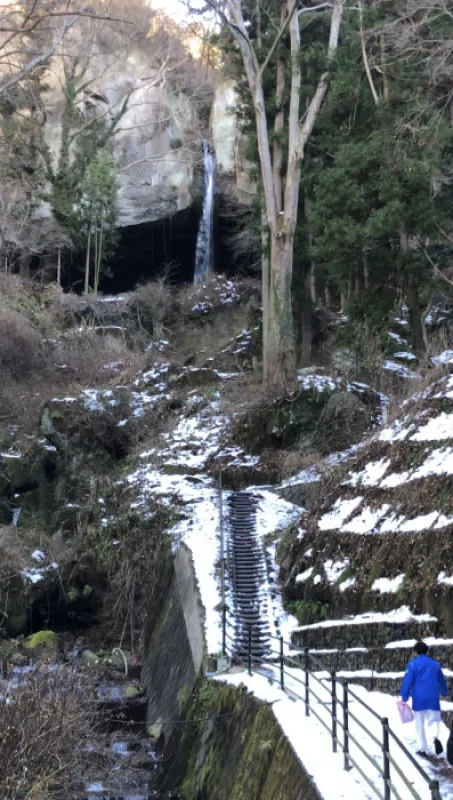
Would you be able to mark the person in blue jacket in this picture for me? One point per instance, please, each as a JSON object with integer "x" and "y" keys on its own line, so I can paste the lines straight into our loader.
{"x": 424, "y": 680}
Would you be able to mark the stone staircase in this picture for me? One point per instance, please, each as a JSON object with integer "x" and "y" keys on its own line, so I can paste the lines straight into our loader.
{"x": 246, "y": 570}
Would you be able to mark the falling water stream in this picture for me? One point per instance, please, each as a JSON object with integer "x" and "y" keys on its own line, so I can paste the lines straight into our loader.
{"x": 203, "y": 253}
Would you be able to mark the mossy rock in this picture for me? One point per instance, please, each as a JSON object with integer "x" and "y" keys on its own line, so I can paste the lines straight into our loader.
{"x": 90, "y": 659}
{"x": 18, "y": 470}
{"x": 283, "y": 423}
{"x": 44, "y": 640}
{"x": 259, "y": 762}
{"x": 131, "y": 692}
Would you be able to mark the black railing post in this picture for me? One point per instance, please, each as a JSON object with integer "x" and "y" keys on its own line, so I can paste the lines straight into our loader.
{"x": 307, "y": 689}
{"x": 334, "y": 712}
{"x": 249, "y": 651}
{"x": 435, "y": 792}
{"x": 347, "y": 765}
{"x": 385, "y": 756}
{"x": 282, "y": 673}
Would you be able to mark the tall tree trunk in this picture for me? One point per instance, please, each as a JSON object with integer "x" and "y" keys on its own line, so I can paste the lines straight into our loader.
{"x": 277, "y": 159}
{"x": 265, "y": 272}
{"x": 313, "y": 293}
{"x": 366, "y": 270}
{"x": 280, "y": 343}
{"x": 413, "y": 304}
{"x": 312, "y": 274}
{"x": 59, "y": 266}
{"x": 99, "y": 255}
{"x": 385, "y": 80}
{"x": 416, "y": 321}
{"x": 277, "y": 162}
{"x": 281, "y": 355}
{"x": 87, "y": 263}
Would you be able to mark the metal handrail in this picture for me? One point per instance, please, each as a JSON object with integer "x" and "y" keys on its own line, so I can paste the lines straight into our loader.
{"x": 409, "y": 755}
{"x": 361, "y": 725}
{"x": 400, "y": 772}
{"x": 331, "y": 700}
{"x": 362, "y": 702}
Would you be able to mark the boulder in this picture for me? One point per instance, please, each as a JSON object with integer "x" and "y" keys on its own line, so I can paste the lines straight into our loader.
{"x": 42, "y": 640}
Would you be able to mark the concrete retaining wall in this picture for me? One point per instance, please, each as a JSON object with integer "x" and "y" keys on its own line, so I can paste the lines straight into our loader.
{"x": 173, "y": 643}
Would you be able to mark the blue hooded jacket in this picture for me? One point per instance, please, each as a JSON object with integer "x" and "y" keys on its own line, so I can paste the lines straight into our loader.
{"x": 424, "y": 680}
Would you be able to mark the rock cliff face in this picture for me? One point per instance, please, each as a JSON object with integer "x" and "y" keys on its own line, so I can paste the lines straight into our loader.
{"x": 157, "y": 147}
{"x": 228, "y": 143}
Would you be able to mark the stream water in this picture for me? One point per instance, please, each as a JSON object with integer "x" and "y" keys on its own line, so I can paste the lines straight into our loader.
{"x": 116, "y": 760}
{"x": 204, "y": 249}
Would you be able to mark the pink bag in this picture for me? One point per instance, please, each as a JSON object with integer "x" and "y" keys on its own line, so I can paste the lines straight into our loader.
{"x": 405, "y": 711}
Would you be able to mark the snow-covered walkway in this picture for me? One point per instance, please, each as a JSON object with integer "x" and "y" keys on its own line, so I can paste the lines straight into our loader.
{"x": 313, "y": 743}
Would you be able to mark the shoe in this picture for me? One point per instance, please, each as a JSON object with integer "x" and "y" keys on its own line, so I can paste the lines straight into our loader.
{"x": 438, "y": 747}
{"x": 421, "y": 753}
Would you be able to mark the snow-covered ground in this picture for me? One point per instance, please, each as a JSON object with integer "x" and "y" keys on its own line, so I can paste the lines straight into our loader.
{"x": 175, "y": 471}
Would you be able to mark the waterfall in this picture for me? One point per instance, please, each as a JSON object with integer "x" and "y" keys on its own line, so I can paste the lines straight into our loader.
{"x": 203, "y": 253}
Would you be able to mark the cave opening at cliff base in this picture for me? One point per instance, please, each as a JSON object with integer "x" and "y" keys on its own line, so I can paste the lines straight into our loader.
{"x": 150, "y": 250}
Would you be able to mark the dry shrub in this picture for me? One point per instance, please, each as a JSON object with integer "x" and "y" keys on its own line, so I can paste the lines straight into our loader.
{"x": 69, "y": 310}
{"x": 342, "y": 422}
{"x": 415, "y": 392}
{"x": 21, "y": 351}
{"x": 86, "y": 357}
{"x": 153, "y": 303}
{"x": 137, "y": 568}
{"x": 41, "y": 730}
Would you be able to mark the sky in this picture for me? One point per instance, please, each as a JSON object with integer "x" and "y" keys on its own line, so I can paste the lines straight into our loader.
{"x": 177, "y": 9}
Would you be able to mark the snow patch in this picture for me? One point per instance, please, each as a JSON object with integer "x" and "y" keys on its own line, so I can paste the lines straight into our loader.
{"x": 366, "y": 522}
{"x": 444, "y": 579}
{"x": 437, "y": 428}
{"x": 388, "y": 585}
{"x": 341, "y": 510}
{"x": 334, "y": 569}
{"x": 371, "y": 475}
{"x": 446, "y": 357}
{"x": 304, "y": 576}
{"x": 400, "y": 370}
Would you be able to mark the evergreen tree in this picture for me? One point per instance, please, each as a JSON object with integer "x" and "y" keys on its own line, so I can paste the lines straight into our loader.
{"x": 93, "y": 220}
{"x": 374, "y": 208}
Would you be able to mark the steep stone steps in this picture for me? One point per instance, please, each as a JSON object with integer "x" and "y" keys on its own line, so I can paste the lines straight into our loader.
{"x": 246, "y": 568}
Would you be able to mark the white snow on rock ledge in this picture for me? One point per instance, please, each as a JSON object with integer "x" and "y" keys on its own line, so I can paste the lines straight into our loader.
{"x": 397, "y": 615}
{"x": 400, "y": 370}
{"x": 342, "y": 509}
{"x": 446, "y": 357}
